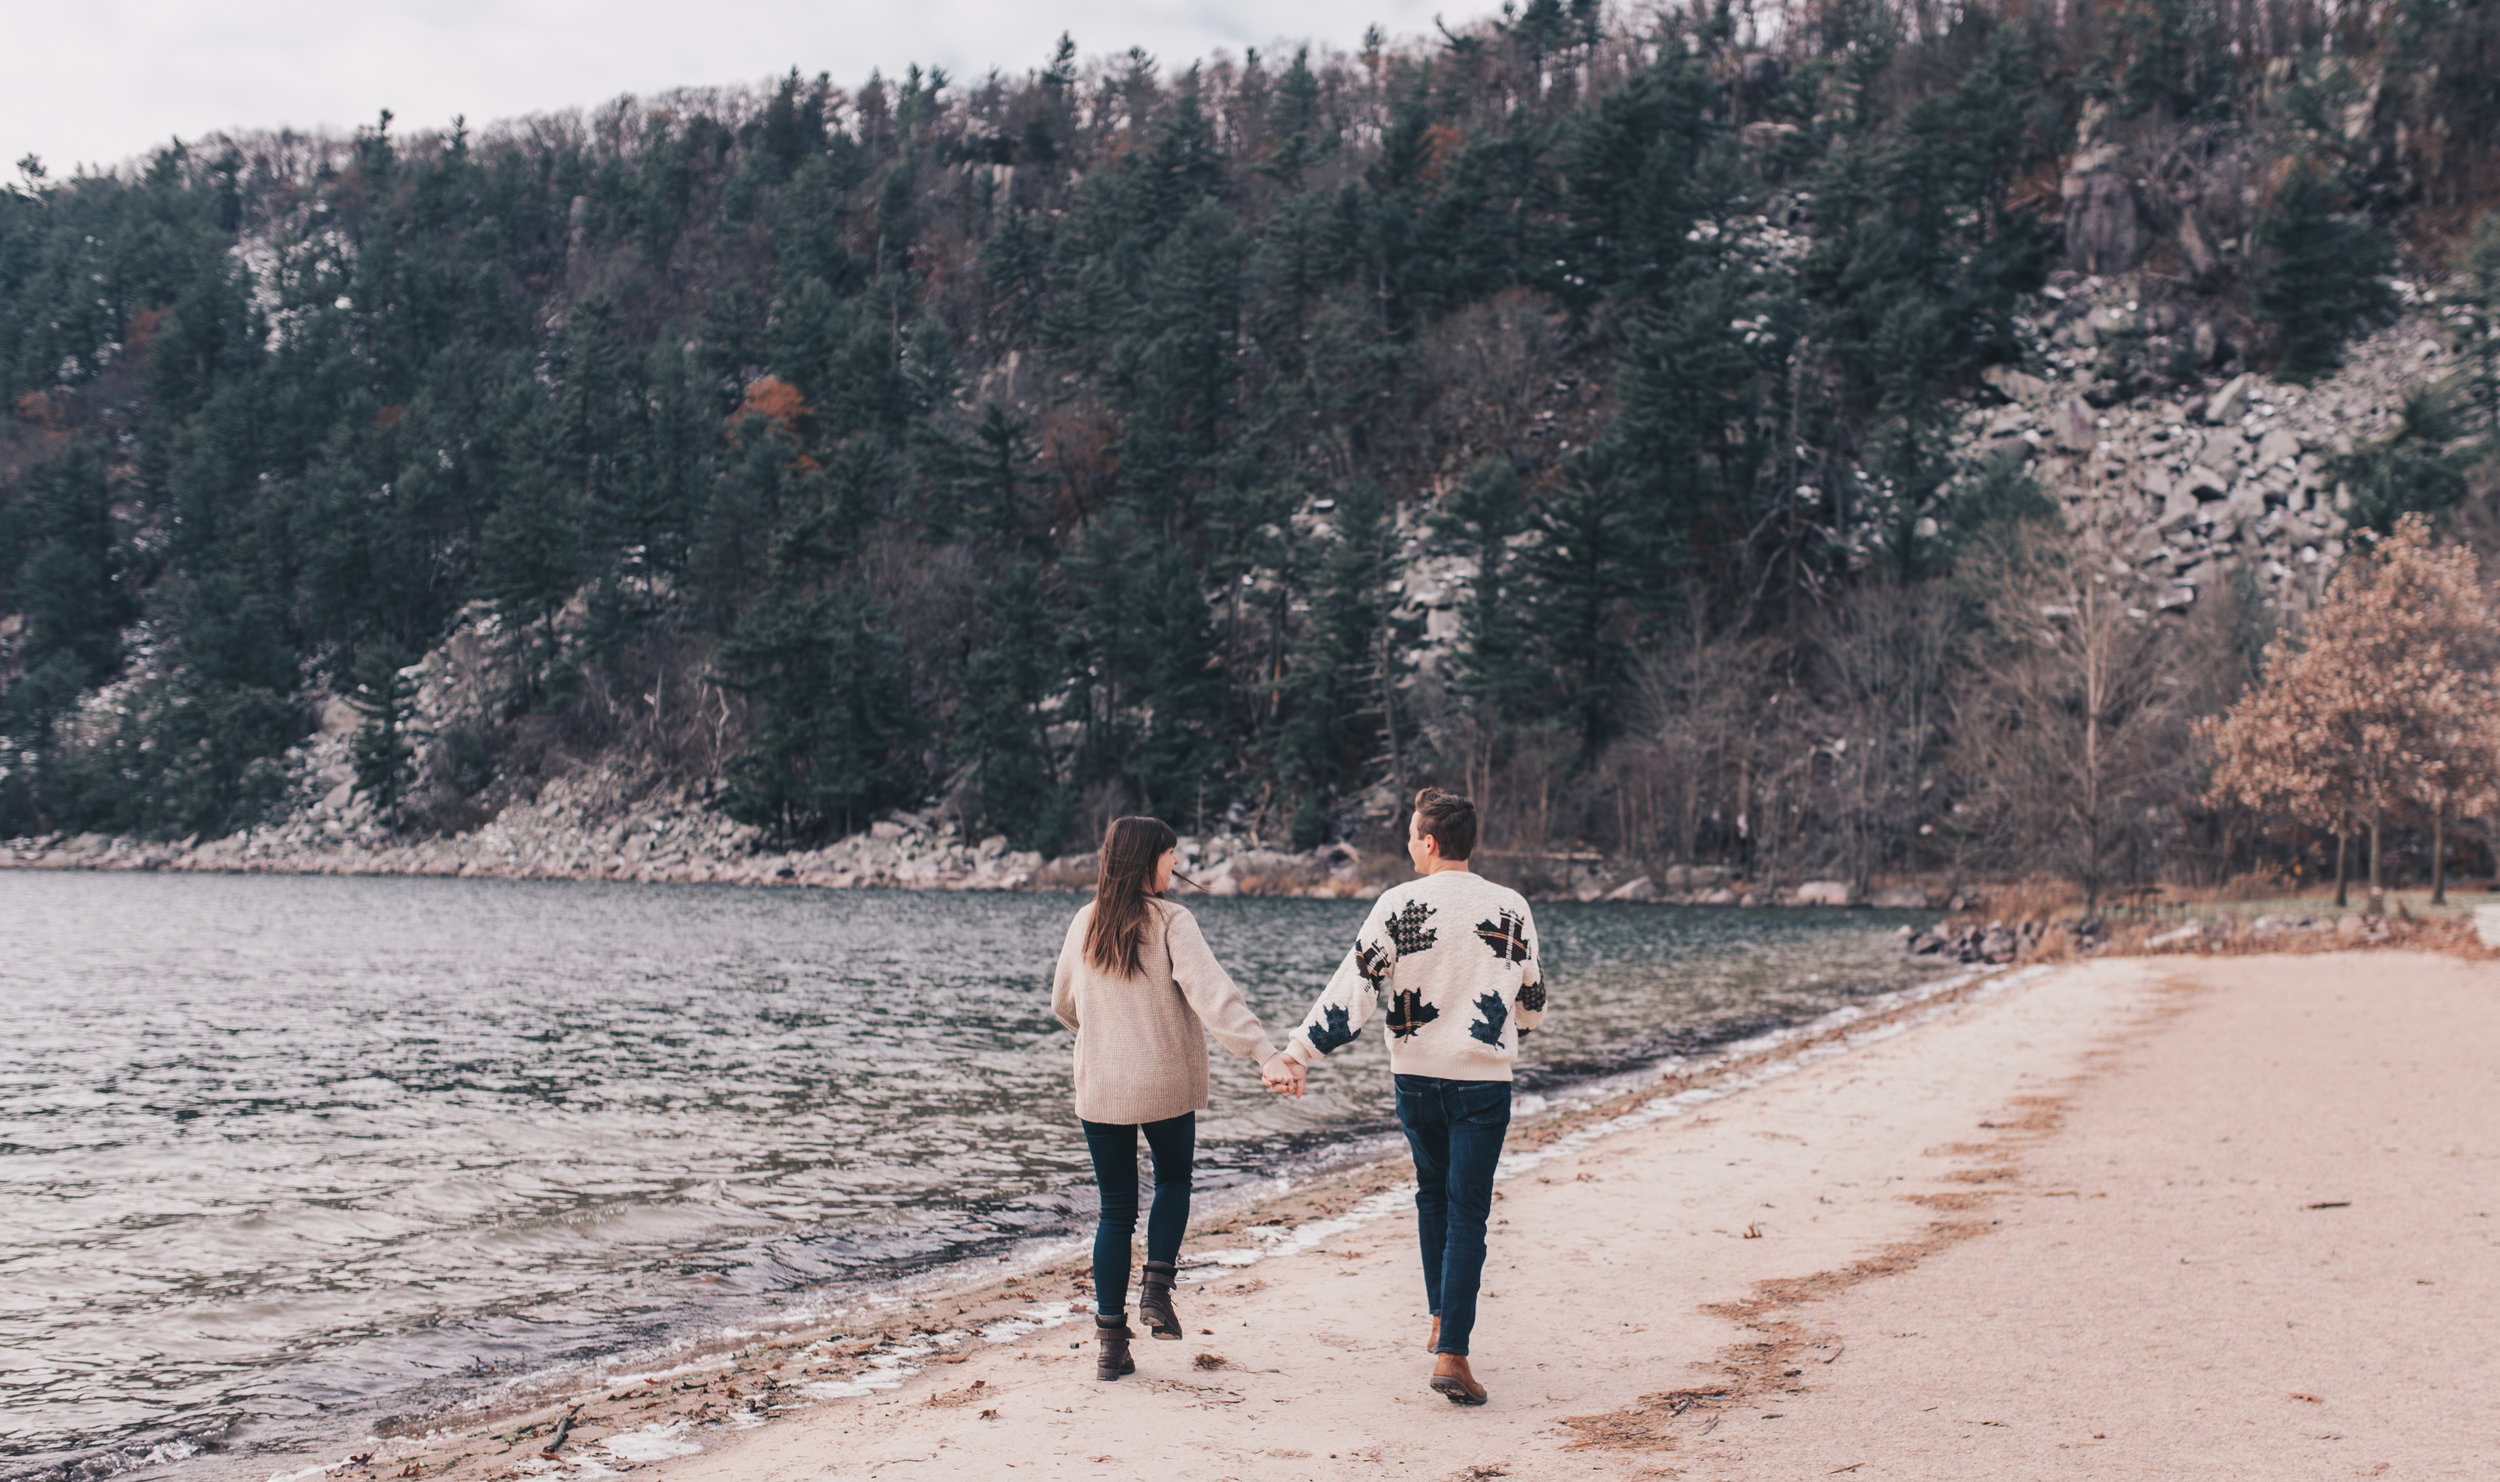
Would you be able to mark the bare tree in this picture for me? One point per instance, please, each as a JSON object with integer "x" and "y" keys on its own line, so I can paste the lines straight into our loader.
{"x": 1882, "y": 654}
{"x": 1701, "y": 706}
{"x": 2072, "y": 712}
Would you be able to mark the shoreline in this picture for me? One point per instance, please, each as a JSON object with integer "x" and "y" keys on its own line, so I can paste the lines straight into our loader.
{"x": 1328, "y": 873}
{"x": 871, "y": 1340}
{"x": 884, "y": 1334}
{"x": 889, "y": 858}
{"x": 876, "y": 1341}
{"x": 1989, "y": 1197}
{"x": 573, "y": 831}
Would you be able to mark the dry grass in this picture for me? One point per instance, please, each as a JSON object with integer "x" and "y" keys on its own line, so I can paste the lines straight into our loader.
{"x": 2040, "y": 898}
{"x": 2222, "y": 936}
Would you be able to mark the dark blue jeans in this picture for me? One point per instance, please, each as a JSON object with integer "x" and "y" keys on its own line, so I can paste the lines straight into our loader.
{"x": 1455, "y": 1129}
{"x": 1174, "y": 1144}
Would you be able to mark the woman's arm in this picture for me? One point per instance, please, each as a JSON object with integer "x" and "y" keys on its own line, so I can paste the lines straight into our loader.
{"x": 1063, "y": 980}
{"x": 1211, "y": 992}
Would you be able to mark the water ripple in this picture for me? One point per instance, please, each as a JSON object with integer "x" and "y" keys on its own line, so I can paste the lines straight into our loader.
{"x": 284, "y": 1157}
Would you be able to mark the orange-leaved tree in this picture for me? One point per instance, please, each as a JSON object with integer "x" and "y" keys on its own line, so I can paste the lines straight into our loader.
{"x": 2389, "y": 708}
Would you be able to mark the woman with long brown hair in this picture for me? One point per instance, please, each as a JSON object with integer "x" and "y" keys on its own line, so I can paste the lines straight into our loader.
{"x": 1142, "y": 991}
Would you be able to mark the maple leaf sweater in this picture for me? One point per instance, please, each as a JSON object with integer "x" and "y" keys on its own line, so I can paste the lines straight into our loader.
{"x": 1456, "y": 954}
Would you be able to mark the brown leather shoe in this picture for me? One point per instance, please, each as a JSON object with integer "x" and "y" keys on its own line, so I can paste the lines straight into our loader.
{"x": 1154, "y": 1302}
{"x": 1111, "y": 1360}
{"x": 1433, "y": 1343}
{"x": 1452, "y": 1377}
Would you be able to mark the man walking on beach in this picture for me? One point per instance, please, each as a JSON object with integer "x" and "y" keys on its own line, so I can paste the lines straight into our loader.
{"x": 1456, "y": 954}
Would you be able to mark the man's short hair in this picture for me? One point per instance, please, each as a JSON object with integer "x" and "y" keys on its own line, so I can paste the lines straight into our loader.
{"x": 1449, "y": 820}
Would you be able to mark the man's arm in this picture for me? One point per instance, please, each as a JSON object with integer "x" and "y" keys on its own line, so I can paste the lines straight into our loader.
{"x": 1337, "y": 1016}
{"x": 1529, "y": 1012}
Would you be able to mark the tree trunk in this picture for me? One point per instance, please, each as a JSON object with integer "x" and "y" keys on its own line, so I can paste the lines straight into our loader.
{"x": 2439, "y": 856}
{"x": 1389, "y": 717}
{"x": 2094, "y": 700}
{"x": 2378, "y": 891}
{"x": 2343, "y": 869}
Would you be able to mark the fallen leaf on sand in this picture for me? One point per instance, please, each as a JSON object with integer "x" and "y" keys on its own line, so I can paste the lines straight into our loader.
{"x": 2312, "y": 1399}
{"x": 1211, "y": 1361}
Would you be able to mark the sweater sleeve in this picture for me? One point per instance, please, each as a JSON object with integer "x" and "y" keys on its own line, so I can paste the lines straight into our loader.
{"x": 1342, "y": 1007}
{"x": 1530, "y": 1009}
{"x": 1063, "y": 979}
{"x": 1211, "y": 991}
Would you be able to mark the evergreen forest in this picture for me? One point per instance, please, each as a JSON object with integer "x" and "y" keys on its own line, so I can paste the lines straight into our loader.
{"x": 1561, "y": 407}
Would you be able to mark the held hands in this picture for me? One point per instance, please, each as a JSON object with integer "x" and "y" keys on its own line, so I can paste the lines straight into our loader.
{"x": 1284, "y": 1075}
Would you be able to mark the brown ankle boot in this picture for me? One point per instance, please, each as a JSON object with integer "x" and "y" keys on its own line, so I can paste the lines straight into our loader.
{"x": 1112, "y": 1360}
{"x": 1154, "y": 1302}
{"x": 1454, "y": 1381}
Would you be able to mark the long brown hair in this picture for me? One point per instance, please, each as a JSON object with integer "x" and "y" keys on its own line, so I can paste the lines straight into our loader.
{"x": 1125, "y": 878}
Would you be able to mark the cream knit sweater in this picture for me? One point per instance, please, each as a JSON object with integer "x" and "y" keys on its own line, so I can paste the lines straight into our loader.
{"x": 1457, "y": 955}
{"x": 1141, "y": 1043}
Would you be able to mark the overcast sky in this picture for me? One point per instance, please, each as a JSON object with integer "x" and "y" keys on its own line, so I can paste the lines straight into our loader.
{"x": 100, "y": 81}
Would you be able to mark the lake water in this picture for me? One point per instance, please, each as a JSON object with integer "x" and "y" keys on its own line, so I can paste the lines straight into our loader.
{"x": 284, "y": 1158}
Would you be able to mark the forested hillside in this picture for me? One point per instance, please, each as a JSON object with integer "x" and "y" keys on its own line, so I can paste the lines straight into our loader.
{"x": 1568, "y": 408}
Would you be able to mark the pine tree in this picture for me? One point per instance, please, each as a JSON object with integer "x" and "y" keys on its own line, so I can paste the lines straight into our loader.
{"x": 531, "y": 559}
{"x": 1628, "y": 180}
{"x": 1015, "y": 272}
{"x": 2321, "y": 270}
{"x": 1175, "y": 362}
{"x": 1180, "y": 751}
{"x": 1142, "y": 644}
{"x": 384, "y": 748}
{"x": 1483, "y": 515}
{"x": 835, "y": 734}
{"x": 1343, "y": 723}
{"x": 2420, "y": 467}
{"x": 2476, "y": 296}
{"x": 1299, "y": 135}
{"x": 64, "y": 581}
{"x": 1009, "y": 683}
{"x": 976, "y": 481}
{"x": 1593, "y": 554}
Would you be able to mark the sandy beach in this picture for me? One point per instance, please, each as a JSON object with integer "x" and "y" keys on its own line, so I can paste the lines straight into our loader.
{"x": 2174, "y": 1218}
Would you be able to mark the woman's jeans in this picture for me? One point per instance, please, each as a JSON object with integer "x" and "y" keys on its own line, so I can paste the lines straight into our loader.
{"x": 1174, "y": 1143}
{"x": 1455, "y": 1129}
